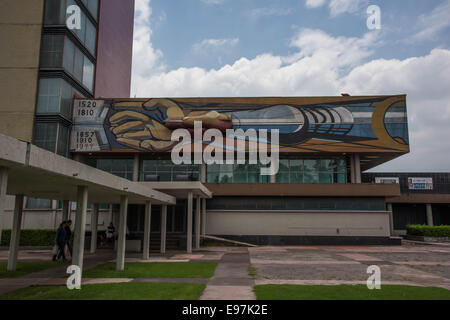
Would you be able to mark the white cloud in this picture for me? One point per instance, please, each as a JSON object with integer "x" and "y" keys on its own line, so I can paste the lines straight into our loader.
{"x": 207, "y": 44}
{"x": 315, "y": 3}
{"x": 338, "y": 7}
{"x": 146, "y": 59}
{"x": 432, "y": 23}
{"x": 266, "y": 12}
{"x": 326, "y": 65}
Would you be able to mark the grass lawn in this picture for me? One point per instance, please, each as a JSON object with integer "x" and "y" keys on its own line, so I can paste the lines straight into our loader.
{"x": 111, "y": 291}
{"x": 349, "y": 292}
{"x": 26, "y": 267}
{"x": 154, "y": 270}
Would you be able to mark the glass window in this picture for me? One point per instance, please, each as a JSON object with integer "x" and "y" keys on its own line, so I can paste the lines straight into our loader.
{"x": 119, "y": 167}
{"x": 91, "y": 37}
{"x": 93, "y": 8}
{"x": 35, "y": 203}
{"x": 167, "y": 171}
{"x": 49, "y": 95}
{"x": 55, "y": 12}
{"x": 88, "y": 74}
{"x": 63, "y": 140}
{"x": 45, "y": 135}
{"x": 52, "y": 51}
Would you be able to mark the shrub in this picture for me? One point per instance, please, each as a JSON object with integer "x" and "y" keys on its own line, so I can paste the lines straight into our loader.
{"x": 31, "y": 237}
{"x": 428, "y": 231}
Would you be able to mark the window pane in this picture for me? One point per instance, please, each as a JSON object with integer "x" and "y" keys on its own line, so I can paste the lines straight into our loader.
{"x": 212, "y": 177}
{"x": 66, "y": 99}
{"x": 284, "y": 166}
{"x": 310, "y": 177}
{"x": 310, "y": 165}
{"x": 283, "y": 177}
{"x": 51, "y": 51}
{"x": 45, "y": 135}
{"x": 253, "y": 177}
{"x": 63, "y": 139}
{"x": 225, "y": 177}
{"x": 69, "y": 55}
{"x": 325, "y": 177}
{"x": 55, "y": 12}
{"x": 78, "y": 65}
{"x": 240, "y": 177}
{"x": 93, "y": 8}
{"x": 341, "y": 165}
{"x": 49, "y": 95}
{"x": 296, "y": 165}
{"x": 296, "y": 177}
{"x": 35, "y": 203}
{"x": 91, "y": 37}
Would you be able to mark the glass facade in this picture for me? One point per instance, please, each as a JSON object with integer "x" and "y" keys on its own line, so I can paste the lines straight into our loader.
{"x": 312, "y": 171}
{"x": 53, "y": 137}
{"x": 55, "y": 96}
{"x": 235, "y": 173}
{"x": 35, "y": 203}
{"x": 119, "y": 167}
{"x": 165, "y": 170}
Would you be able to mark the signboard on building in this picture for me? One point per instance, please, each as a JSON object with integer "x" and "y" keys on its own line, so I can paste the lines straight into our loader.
{"x": 387, "y": 180}
{"x": 420, "y": 183}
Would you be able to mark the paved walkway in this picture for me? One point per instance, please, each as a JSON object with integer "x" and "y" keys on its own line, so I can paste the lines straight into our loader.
{"x": 231, "y": 280}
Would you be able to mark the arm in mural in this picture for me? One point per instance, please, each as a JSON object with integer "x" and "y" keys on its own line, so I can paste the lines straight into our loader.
{"x": 149, "y": 125}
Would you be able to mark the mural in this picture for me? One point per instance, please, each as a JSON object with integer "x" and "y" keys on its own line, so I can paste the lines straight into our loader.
{"x": 329, "y": 124}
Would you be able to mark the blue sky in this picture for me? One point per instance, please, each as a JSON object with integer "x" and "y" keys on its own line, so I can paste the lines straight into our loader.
{"x": 251, "y": 27}
{"x": 304, "y": 48}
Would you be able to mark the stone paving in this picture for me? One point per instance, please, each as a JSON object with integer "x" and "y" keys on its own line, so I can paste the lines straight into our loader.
{"x": 419, "y": 265}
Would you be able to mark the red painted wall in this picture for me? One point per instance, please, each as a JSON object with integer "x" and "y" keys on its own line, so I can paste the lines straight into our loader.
{"x": 114, "y": 48}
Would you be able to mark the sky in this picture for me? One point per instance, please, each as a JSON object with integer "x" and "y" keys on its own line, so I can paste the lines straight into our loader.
{"x": 227, "y": 48}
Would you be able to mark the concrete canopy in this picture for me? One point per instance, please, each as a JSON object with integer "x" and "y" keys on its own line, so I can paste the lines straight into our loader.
{"x": 38, "y": 173}
{"x": 181, "y": 189}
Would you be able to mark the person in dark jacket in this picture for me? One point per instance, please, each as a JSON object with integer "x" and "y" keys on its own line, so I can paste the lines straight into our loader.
{"x": 61, "y": 240}
{"x": 69, "y": 235}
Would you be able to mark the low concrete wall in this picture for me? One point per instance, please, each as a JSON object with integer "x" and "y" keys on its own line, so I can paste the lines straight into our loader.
{"x": 298, "y": 223}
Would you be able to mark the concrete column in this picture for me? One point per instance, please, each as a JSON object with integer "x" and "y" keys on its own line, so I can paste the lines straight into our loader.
{"x": 203, "y": 216}
{"x": 429, "y": 215}
{"x": 391, "y": 218}
{"x": 147, "y": 230}
{"x": 357, "y": 168}
{"x": 15, "y": 233}
{"x": 3, "y": 186}
{"x": 121, "y": 242}
{"x": 94, "y": 227}
{"x": 352, "y": 169}
{"x": 136, "y": 167}
{"x": 189, "y": 223}
{"x": 65, "y": 210}
{"x": 80, "y": 227}
{"x": 197, "y": 222}
{"x": 163, "y": 228}
{"x": 203, "y": 173}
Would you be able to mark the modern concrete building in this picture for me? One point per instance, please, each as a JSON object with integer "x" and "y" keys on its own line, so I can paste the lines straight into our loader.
{"x": 45, "y": 64}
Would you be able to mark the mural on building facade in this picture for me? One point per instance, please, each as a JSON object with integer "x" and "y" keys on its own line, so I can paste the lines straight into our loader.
{"x": 341, "y": 124}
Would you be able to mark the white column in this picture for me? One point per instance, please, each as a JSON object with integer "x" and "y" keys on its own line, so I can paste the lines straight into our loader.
{"x": 357, "y": 169}
{"x": 391, "y": 218}
{"x": 163, "y": 228}
{"x": 189, "y": 224}
{"x": 147, "y": 230}
{"x": 121, "y": 242}
{"x": 429, "y": 215}
{"x": 197, "y": 222}
{"x": 3, "y": 186}
{"x": 80, "y": 226}
{"x": 65, "y": 210}
{"x": 203, "y": 216}
{"x": 15, "y": 233}
{"x": 94, "y": 227}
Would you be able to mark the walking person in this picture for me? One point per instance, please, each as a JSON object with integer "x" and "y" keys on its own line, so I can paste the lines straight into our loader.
{"x": 60, "y": 241}
{"x": 69, "y": 236}
{"x": 110, "y": 233}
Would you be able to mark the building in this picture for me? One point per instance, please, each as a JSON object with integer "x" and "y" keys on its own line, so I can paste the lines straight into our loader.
{"x": 424, "y": 199}
{"x": 317, "y": 196}
{"x": 45, "y": 65}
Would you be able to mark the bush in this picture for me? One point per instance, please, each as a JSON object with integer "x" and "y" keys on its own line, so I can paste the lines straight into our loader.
{"x": 31, "y": 237}
{"x": 428, "y": 231}
{"x": 34, "y": 237}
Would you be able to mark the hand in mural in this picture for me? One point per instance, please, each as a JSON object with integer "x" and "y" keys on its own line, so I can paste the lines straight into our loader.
{"x": 149, "y": 125}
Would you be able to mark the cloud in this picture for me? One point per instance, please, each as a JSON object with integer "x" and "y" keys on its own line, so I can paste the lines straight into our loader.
{"x": 146, "y": 59}
{"x": 207, "y": 44}
{"x": 435, "y": 21}
{"x": 327, "y": 65}
{"x": 338, "y": 7}
{"x": 315, "y": 3}
{"x": 213, "y": 1}
{"x": 266, "y": 12}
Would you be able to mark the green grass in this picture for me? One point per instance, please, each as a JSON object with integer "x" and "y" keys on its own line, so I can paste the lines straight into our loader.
{"x": 111, "y": 291}
{"x": 252, "y": 271}
{"x": 154, "y": 270}
{"x": 349, "y": 292}
{"x": 24, "y": 268}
